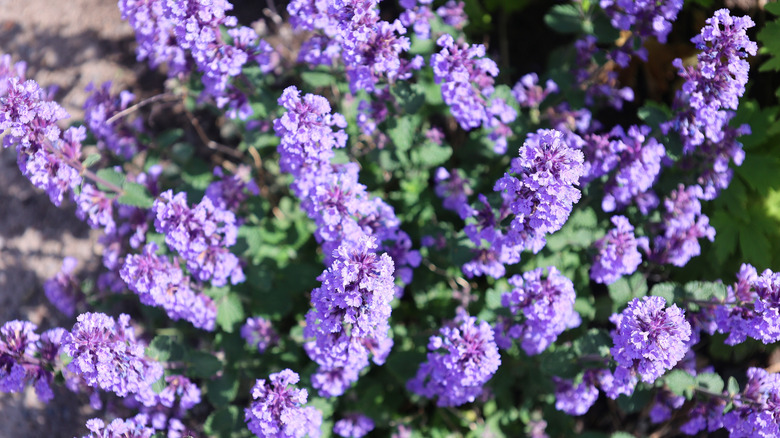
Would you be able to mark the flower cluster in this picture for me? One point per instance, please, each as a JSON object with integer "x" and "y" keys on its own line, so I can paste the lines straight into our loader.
{"x": 131, "y": 428}
{"x": 278, "y": 411}
{"x": 349, "y": 318}
{"x": 354, "y": 425}
{"x": 650, "y": 339}
{"x": 454, "y": 190}
{"x": 545, "y": 306}
{"x": 461, "y": 359}
{"x": 107, "y": 356}
{"x": 28, "y": 358}
{"x": 639, "y": 165}
{"x": 230, "y": 191}
{"x": 187, "y": 34}
{"x": 682, "y": 226}
{"x": 528, "y": 92}
{"x": 576, "y": 399}
{"x": 466, "y": 78}
{"x": 712, "y": 89}
{"x": 64, "y": 291}
{"x": 751, "y": 307}
{"x": 617, "y": 252}
{"x": 160, "y": 283}
{"x": 201, "y": 235}
{"x": 543, "y": 191}
{"x": 117, "y": 136}
{"x": 166, "y": 409}
{"x": 646, "y": 17}
{"x": 259, "y": 333}
{"x": 493, "y": 249}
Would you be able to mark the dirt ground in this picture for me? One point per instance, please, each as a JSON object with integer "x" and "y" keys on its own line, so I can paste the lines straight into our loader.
{"x": 70, "y": 44}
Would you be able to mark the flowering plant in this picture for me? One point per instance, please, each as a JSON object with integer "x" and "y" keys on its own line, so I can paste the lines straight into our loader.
{"x": 355, "y": 223}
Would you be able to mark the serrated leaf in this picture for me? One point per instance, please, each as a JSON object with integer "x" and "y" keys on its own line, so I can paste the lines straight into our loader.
{"x": 710, "y": 381}
{"x": 202, "y": 364}
{"x": 318, "y": 79}
{"x": 635, "y": 402}
{"x": 665, "y": 291}
{"x": 222, "y": 391}
{"x": 90, "y": 160}
{"x": 430, "y": 154}
{"x": 135, "y": 195}
{"x": 565, "y": 19}
{"x": 596, "y": 342}
{"x": 110, "y": 176}
{"x": 733, "y": 386}
{"x": 621, "y": 435}
{"x": 165, "y": 348}
{"x": 705, "y": 290}
{"x": 410, "y": 96}
{"x": 230, "y": 312}
{"x": 402, "y": 132}
{"x": 223, "y": 422}
{"x": 626, "y": 289}
{"x": 680, "y": 382}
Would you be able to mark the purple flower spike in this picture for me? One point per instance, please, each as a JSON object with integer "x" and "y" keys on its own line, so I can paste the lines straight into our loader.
{"x": 461, "y": 359}
{"x": 277, "y": 410}
{"x": 259, "y": 333}
{"x": 617, "y": 252}
{"x": 576, "y": 399}
{"x": 545, "y": 306}
{"x": 107, "y": 356}
{"x": 131, "y": 428}
{"x": 64, "y": 291}
{"x": 355, "y": 425}
{"x": 649, "y": 338}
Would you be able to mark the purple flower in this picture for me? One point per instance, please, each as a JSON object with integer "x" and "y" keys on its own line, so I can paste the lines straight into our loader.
{"x": 601, "y": 156}
{"x": 543, "y": 191}
{"x": 349, "y": 318}
{"x": 201, "y": 235}
{"x": 132, "y": 428}
{"x": 96, "y": 207}
{"x": 454, "y": 190}
{"x": 461, "y": 359}
{"x": 418, "y": 16}
{"x": 682, "y": 226}
{"x": 576, "y": 399}
{"x": 649, "y": 338}
{"x": 258, "y": 332}
{"x": 529, "y": 94}
{"x": 714, "y": 86}
{"x": 617, "y": 252}
{"x": 277, "y": 411}
{"x": 493, "y": 249}
{"x": 664, "y": 404}
{"x": 755, "y": 412}
{"x": 639, "y": 165}
{"x": 164, "y": 409}
{"x": 118, "y": 136}
{"x": 545, "y": 308}
{"x": 354, "y": 425}
{"x": 232, "y": 190}
{"x": 646, "y": 17}
{"x": 107, "y": 356}
{"x": 63, "y": 290}
{"x": 453, "y": 14}
{"x": 306, "y": 131}
{"x": 160, "y": 283}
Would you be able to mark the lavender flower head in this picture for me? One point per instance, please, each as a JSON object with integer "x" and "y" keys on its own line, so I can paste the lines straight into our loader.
{"x": 546, "y": 308}
{"x": 259, "y": 333}
{"x": 576, "y": 399}
{"x": 63, "y": 290}
{"x": 683, "y": 224}
{"x": 107, "y": 356}
{"x": 755, "y": 411}
{"x": 454, "y": 190}
{"x": 461, "y": 359}
{"x": 649, "y": 338}
{"x": 617, "y": 252}
{"x": 543, "y": 191}
{"x": 278, "y": 411}
{"x": 647, "y": 17}
{"x": 528, "y": 92}
{"x": 131, "y": 428}
{"x": 355, "y": 425}
{"x": 349, "y": 318}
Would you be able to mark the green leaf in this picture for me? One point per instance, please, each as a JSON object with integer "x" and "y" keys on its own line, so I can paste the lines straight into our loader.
{"x": 705, "y": 290}
{"x": 560, "y": 361}
{"x": 202, "y": 364}
{"x": 135, "y": 195}
{"x": 223, "y": 422}
{"x": 596, "y": 342}
{"x": 626, "y": 289}
{"x": 430, "y": 154}
{"x": 165, "y": 348}
{"x": 401, "y": 132}
{"x": 653, "y": 114}
{"x": 733, "y": 386}
{"x": 90, "y": 160}
{"x": 318, "y": 79}
{"x": 410, "y": 96}
{"x": 770, "y": 42}
{"x": 565, "y": 19}
{"x": 680, "y": 382}
{"x": 667, "y": 291}
{"x": 635, "y": 402}
{"x": 621, "y": 435}
{"x": 222, "y": 391}
{"x": 159, "y": 385}
{"x": 110, "y": 176}
{"x": 230, "y": 312}
{"x": 710, "y": 381}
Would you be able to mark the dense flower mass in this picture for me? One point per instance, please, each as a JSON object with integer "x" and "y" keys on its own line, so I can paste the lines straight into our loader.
{"x": 64, "y": 291}
{"x": 201, "y": 235}
{"x": 454, "y": 190}
{"x": 545, "y": 308}
{"x": 540, "y": 190}
{"x": 259, "y": 333}
{"x": 646, "y": 17}
{"x": 107, "y": 355}
{"x": 28, "y": 358}
{"x": 349, "y": 319}
{"x": 576, "y": 399}
{"x": 355, "y": 425}
{"x": 617, "y": 252}
{"x": 683, "y": 224}
{"x": 278, "y": 411}
{"x": 650, "y": 339}
{"x": 131, "y": 428}
{"x": 118, "y": 137}
{"x": 461, "y": 359}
